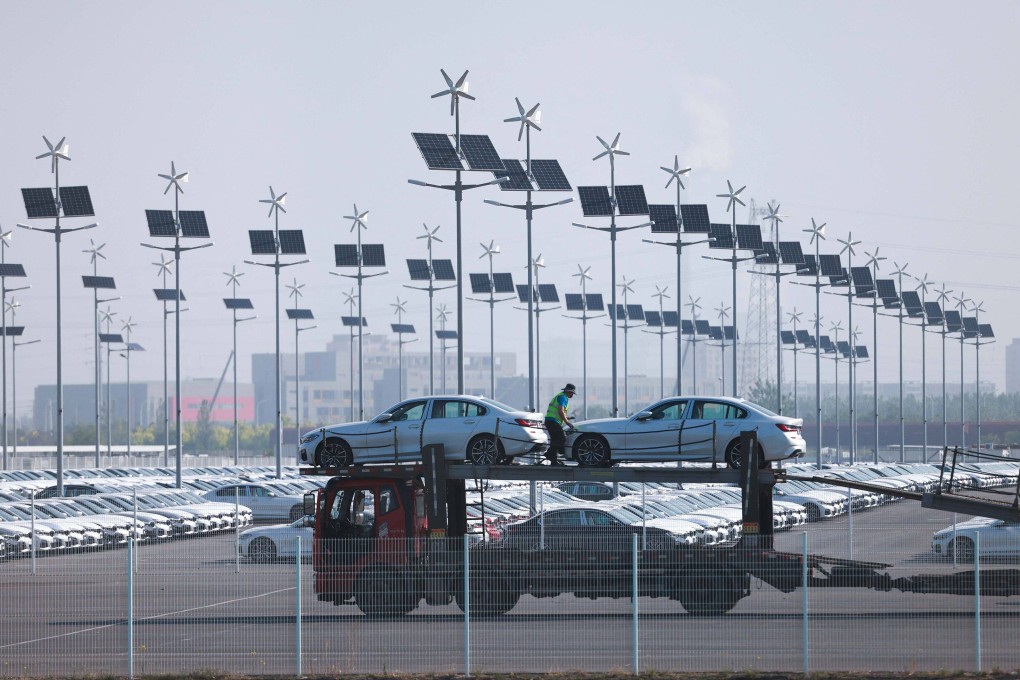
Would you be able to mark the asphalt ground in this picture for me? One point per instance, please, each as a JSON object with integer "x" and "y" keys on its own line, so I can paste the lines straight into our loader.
{"x": 196, "y": 609}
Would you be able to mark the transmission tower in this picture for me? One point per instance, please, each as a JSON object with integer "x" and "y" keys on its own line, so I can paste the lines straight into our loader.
{"x": 758, "y": 359}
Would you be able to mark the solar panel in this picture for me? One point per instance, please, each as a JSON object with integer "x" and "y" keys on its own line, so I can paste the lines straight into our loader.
{"x": 480, "y": 153}
{"x": 135, "y": 347}
{"x": 986, "y": 330}
{"x": 517, "y": 179}
{"x": 167, "y": 294}
{"x": 669, "y": 319}
{"x": 686, "y": 327}
{"x": 831, "y": 265}
{"x": 402, "y": 327}
{"x": 809, "y": 267}
{"x": 443, "y": 270}
{"x": 238, "y": 303}
{"x": 11, "y": 269}
{"x": 804, "y": 337}
{"x": 970, "y": 327}
{"x": 619, "y": 313}
{"x": 933, "y": 312}
{"x": 418, "y": 269}
{"x": 13, "y": 331}
{"x": 842, "y": 280}
{"x": 39, "y": 203}
{"x": 299, "y": 314}
{"x": 912, "y": 301}
{"x": 825, "y": 343}
{"x": 861, "y": 351}
{"x": 663, "y": 218}
{"x": 549, "y": 175}
{"x": 373, "y": 255}
{"x": 721, "y": 236}
{"x": 728, "y": 332}
{"x": 446, "y": 335}
{"x": 91, "y": 281}
{"x": 630, "y": 198}
{"x": 503, "y": 282}
{"x": 636, "y": 312}
{"x": 715, "y": 333}
{"x": 790, "y": 252}
{"x": 292, "y": 242}
{"x": 437, "y": 150}
{"x": 352, "y": 321}
{"x": 575, "y": 303}
{"x": 864, "y": 286}
{"x": 788, "y": 337}
{"x": 749, "y": 237}
{"x": 76, "y": 202}
{"x": 346, "y": 254}
{"x": 111, "y": 337}
{"x": 953, "y": 321}
{"x": 653, "y": 319}
{"x": 887, "y": 291}
{"x": 593, "y": 302}
{"x": 595, "y": 201}
{"x": 695, "y": 218}
{"x": 480, "y": 283}
{"x": 547, "y": 292}
{"x": 701, "y": 326}
{"x": 767, "y": 254}
{"x": 193, "y": 224}
{"x": 522, "y": 293}
{"x": 262, "y": 241}
{"x": 843, "y": 347}
{"x": 161, "y": 223}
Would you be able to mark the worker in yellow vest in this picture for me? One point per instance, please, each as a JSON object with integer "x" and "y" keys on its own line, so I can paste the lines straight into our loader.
{"x": 555, "y": 419}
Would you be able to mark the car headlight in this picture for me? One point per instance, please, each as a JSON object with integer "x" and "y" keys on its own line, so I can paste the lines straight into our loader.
{"x": 309, "y": 438}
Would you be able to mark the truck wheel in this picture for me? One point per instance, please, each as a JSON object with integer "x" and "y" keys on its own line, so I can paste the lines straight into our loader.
{"x": 491, "y": 595}
{"x": 591, "y": 451}
{"x": 708, "y": 595}
{"x": 334, "y": 453}
{"x": 485, "y": 449}
{"x": 382, "y": 592}
{"x": 735, "y": 458}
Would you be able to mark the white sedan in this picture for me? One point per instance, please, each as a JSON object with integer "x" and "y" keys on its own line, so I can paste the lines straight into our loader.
{"x": 265, "y": 544}
{"x": 480, "y": 430}
{"x": 687, "y": 428}
{"x": 998, "y": 538}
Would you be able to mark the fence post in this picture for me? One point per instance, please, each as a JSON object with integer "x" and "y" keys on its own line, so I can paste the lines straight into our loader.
{"x": 850, "y": 518}
{"x": 804, "y": 605}
{"x": 131, "y": 608}
{"x": 977, "y": 598}
{"x": 634, "y": 586}
{"x": 33, "y": 533}
{"x": 467, "y": 610}
{"x": 237, "y": 533}
{"x": 297, "y": 570}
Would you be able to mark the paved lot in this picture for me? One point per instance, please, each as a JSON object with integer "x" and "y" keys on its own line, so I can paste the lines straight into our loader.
{"x": 195, "y": 610}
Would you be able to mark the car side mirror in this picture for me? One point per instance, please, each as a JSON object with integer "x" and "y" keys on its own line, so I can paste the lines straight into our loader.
{"x": 309, "y": 508}
{"x": 643, "y": 415}
{"x": 384, "y": 418}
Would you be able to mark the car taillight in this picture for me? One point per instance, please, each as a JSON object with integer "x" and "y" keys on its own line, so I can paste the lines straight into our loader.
{"x": 787, "y": 428}
{"x": 524, "y": 422}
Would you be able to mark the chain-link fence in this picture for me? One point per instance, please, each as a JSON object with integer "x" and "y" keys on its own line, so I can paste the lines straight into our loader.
{"x": 555, "y": 597}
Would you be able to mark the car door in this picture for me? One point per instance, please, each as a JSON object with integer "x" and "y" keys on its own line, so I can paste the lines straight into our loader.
{"x": 654, "y": 437}
{"x": 608, "y": 535}
{"x": 399, "y": 435}
{"x": 562, "y": 530}
{"x": 709, "y": 426}
{"x": 452, "y": 423}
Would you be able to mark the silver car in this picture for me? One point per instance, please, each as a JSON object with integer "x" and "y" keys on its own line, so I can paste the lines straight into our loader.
{"x": 480, "y": 430}
{"x": 686, "y": 428}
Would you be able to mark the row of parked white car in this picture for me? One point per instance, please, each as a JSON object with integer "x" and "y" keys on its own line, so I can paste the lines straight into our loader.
{"x": 107, "y": 508}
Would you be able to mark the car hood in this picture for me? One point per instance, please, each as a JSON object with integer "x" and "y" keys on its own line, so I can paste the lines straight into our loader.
{"x": 601, "y": 425}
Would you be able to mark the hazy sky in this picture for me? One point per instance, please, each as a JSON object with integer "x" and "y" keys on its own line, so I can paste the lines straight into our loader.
{"x": 893, "y": 121}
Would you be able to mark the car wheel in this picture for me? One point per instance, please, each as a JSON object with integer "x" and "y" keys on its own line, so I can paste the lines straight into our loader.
{"x": 485, "y": 449}
{"x": 334, "y": 453}
{"x": 813, "y": 513}
{"x": 964, "y": 549}
{"x": 262, "y": 550}
{"x": 297, "y": 512}
{"x": 734, "y": 457}
{"x": 591, "y": 451}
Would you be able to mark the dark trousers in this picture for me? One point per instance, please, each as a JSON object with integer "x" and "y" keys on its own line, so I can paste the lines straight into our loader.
{"x": 556, "y": 439}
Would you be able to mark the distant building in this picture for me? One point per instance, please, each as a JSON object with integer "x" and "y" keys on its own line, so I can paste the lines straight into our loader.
{"x": 1013, "y": 366}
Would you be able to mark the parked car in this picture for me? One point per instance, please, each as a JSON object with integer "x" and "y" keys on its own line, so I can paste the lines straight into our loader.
{"x": 480, "y": 430}
{"x": 584, "y": 528}
{"x": 686, "y": 428}
{"x": 998, "y": 539}
{"x": 588, "y": 491}
{"x": 265, "y": 544}
{"x": 265, "y": 503}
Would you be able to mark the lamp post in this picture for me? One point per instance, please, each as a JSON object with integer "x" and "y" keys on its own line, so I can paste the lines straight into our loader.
{"x": 961, "y": 305}
{"x": 400, "y": 328}
{"x": 489, "y": 251}
{"x": 944, "y": 331}
{"x": 922, "y": 286}
{"x": 873, "y": 260}
{"x": 900, "y": 271}
{"x": 129, "y": 347}
{"x": 836, "y": 328}
{"x": 848, "y": 248}
{"x": 233, "y": 303}
{"x": 817, "y": 232}
{"x": 95, "y": 282}
{"x": 12, "y": 306}
{"x": 584, "y": 276}
{"x": 164, "y": 268}
{"x": 723, "y": 312}
{"x": 6, "y": 270}
{"x": 794, "y": 318}
{"x": 694, "y": 306}
{"x": 732, "y": 198}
